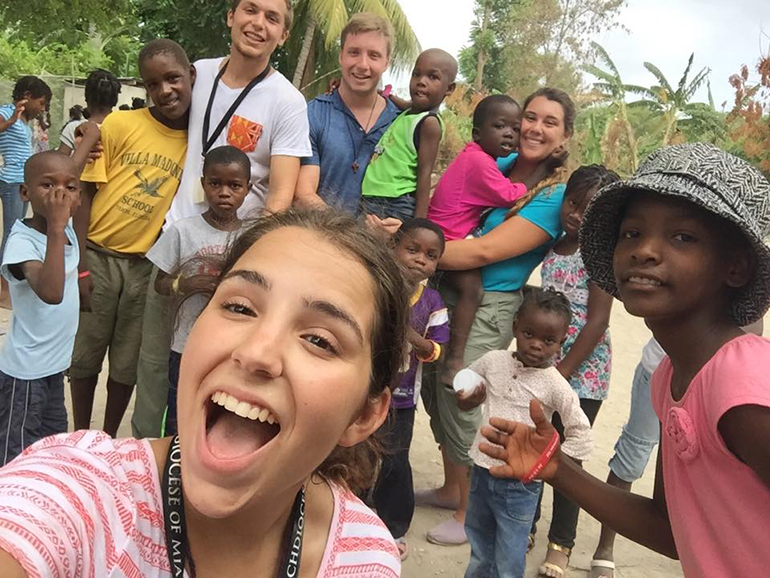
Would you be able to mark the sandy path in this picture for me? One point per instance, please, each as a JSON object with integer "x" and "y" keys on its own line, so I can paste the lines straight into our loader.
{"x": 629, "y": 336}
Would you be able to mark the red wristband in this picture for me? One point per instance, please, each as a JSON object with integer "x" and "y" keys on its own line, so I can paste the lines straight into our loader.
{"x": 543, "y": 460}
{"x": 84, "y": 274}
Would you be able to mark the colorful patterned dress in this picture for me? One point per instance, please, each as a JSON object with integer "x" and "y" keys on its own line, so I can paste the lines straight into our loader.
{"x": 566, "y": 273}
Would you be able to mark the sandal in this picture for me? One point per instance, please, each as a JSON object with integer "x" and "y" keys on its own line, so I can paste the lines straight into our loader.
{"x": 530, "y": 543}
{"x": 546, "y": 566}
{"x": 599, "y": 563}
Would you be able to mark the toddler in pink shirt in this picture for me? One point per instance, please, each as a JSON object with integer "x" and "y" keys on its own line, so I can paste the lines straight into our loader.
{"x": 472, "y": 184}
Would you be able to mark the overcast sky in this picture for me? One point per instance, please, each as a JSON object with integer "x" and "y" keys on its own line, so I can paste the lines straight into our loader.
{"x": 723, "y": 34}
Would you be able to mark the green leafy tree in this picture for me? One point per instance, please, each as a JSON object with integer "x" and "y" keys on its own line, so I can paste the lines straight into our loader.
{"x": 612, "y": 90}
{"x": 481, "y": 62}
{"x": 673, "y": 105}
{"x": 314, "y": 41}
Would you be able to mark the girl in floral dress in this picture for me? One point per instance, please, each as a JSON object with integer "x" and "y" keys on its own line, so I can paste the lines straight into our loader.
{"x": 586, "y": 355}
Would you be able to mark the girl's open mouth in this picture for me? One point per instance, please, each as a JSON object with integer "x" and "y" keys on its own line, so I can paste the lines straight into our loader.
{"x": 235, "y": 428}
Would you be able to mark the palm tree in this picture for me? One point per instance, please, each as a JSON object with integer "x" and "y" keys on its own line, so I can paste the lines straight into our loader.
{"x": 612, "y": 89}
{"x": 319, "y": 24}
{"x": 674, "y": 105}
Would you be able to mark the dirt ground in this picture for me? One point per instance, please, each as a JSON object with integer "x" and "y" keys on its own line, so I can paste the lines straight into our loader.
{"x": 629, "y": 336}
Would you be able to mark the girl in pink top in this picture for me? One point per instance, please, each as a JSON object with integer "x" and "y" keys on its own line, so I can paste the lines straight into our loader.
{"x": 471, "y": 184}
{"x": 284, "y": 378}
{"x": 682, "y": 243}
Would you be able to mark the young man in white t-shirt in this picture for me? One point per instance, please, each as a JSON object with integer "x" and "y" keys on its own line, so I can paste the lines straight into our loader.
{"x": 270, "y": 124}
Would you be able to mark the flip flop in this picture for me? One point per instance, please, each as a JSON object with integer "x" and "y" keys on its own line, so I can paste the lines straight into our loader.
{"x": 449, "y": 533}
{"x": 599, "y": 563}
{"x": 429, "y": 499}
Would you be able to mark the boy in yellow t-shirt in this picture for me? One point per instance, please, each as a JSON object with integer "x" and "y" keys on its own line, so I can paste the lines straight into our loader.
{"x": 126, "y": 194}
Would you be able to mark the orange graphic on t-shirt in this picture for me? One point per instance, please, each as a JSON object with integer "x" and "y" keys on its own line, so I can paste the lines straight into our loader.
{"x": 243, "y": 134}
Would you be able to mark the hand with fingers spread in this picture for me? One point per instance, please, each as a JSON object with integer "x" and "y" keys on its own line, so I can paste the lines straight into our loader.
{"x": 20, "y": 106}
{"x": 520, "y": 446}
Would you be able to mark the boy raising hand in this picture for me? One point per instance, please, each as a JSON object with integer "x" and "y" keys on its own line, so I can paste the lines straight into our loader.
{"x": 40, "y": 265}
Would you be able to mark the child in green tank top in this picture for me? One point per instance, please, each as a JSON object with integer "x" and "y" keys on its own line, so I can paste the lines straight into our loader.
{"x": 398, "y": 179}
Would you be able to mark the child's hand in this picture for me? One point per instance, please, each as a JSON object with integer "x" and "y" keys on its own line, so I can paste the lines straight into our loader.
{"x": 58, "y": 208}
{"x": 386, "y": 227}
{"x": 468, "y": 400}
{"x": 18, "y": 110}
{"x": 556, "y": 159}
{"x": 519, "y": 445}
{"x": 87, "y": 134}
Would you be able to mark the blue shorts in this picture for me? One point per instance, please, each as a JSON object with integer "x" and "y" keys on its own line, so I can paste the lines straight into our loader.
{"x": 401, "y": 208}
{"x": 640, "y": 434}
{"x": 30, "y": 409}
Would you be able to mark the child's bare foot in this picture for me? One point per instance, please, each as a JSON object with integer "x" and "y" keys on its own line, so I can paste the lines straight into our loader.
{"x": 556, "y": 561}
{"x": 451, "y": 367}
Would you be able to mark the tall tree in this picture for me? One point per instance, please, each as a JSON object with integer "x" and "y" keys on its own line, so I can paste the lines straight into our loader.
{"x": 480, "y": 61}
{"x": 613, "y": 90}
{"x": 673, "y": 105}
{"x": 750, "y": 117}
{"x": 319, "y": 23}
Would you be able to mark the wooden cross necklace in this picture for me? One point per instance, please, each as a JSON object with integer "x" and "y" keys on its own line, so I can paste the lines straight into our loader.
{"x": 365, "y": 129}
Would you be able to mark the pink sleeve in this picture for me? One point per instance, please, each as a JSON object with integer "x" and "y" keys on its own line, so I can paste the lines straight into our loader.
{"x": 57, "y": 507}
{"x": 486, "y": 186}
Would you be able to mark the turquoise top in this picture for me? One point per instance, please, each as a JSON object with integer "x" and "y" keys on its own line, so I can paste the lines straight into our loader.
{"x": 544, "y": 211}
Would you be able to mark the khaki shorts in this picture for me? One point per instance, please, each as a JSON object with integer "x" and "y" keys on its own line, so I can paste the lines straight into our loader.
{"x": 492, "y": 329}
{"x": 115, "y": 320}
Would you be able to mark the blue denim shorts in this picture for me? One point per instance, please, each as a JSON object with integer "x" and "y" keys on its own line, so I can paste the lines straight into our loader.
{"x": 401, "y": 208}
{"x": 640, "y": 434}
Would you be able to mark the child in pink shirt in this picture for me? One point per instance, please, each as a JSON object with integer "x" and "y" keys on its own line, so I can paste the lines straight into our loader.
{"x": 683, "y": 244}
{"x": 472, "y": 184}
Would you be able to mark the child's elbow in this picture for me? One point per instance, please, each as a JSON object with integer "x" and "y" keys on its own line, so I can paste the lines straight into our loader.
{"x": 51, "y": 298}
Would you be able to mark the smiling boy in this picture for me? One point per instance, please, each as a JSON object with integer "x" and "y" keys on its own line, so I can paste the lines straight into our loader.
{"x": 347, "y": 124}
{"x": 241, "y": 101}
{"x": 126, "y": 194}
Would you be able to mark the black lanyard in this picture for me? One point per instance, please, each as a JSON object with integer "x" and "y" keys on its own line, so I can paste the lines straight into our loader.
{"x": 176, "y": 531}
{"x": 207, "y": 142}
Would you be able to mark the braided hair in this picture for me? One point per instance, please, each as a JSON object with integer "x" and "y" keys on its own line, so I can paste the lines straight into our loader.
{"x": 587, "y": 178}
{"x": 102, "y": 89}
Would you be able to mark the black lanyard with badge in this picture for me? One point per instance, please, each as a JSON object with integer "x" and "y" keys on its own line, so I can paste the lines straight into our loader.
{"x": 206, "y": 141}
{"x": 176, "y": 530}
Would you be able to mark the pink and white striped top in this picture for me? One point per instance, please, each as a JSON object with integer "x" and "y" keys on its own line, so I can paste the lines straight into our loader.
{"x": 83, "y": 504}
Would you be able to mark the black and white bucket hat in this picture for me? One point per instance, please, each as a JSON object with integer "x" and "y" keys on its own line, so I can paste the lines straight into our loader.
{"x": 701, "y": 173}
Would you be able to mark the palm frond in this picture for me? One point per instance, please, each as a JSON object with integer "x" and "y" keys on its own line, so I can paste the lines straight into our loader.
{"x": 661, "y": 78}
{"x": 600, "y": 74}
{"x": 649, "y": 104}
{"x": 641, "y": 91}
{"x": 696, "y": 83}
{"x": 605, "y": 58}
{"x": 683, "y": 80}
{"x": 331, "y": 15}
{"x": 406, "y": 47}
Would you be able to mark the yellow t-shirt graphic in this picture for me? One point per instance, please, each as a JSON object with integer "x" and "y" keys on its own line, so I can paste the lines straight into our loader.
{"x": 136, "y": 177}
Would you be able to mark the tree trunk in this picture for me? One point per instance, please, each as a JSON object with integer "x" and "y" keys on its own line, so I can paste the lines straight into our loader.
{"x": 481, "y": 61}
{"x": 307, "y": 43}
{"x": 632, "y": 147}
{"x": 670, "y": 126}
